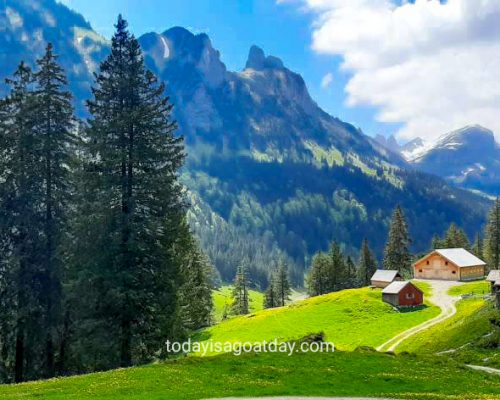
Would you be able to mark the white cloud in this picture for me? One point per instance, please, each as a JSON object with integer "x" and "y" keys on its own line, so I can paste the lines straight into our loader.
{"x": 432, "y": 66}
{"x": 327, "y": 80}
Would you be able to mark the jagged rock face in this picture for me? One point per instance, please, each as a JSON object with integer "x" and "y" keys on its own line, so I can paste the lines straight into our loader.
{"x": 265, "y": 108}
{"x": 469, "y": 157}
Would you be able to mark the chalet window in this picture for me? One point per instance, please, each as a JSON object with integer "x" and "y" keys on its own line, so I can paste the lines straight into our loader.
{"x": 428, "y": 262}
{"x": 410, "y": 296}
{"x": 419, "y": 270}
{"x": 453, "y": 272}
{"x": 446, "y": 263}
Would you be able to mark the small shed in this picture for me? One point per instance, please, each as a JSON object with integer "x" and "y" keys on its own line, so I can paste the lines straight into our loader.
{"x": 403, "y": 294}
{"x": 383, "y": 277}
{"x": 494, "y": 279}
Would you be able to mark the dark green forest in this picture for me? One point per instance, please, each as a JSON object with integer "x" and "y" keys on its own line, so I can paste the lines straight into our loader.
{"x": 98, "y": 266}
{"x": 293, "y": 210}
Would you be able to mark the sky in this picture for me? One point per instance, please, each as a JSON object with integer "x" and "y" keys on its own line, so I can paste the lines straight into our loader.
{"x": 413, "y": 69}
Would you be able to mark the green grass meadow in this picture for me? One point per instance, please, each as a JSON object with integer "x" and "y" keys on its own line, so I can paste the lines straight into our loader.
{"x": 306, "y": 374}
{"x": 349, "y": 318}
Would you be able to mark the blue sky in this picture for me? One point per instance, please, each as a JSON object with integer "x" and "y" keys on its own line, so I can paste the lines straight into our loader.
{"x": 283, "y": 30}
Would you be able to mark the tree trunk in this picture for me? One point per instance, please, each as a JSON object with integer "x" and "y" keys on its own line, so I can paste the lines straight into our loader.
{"x": 125, "y": 350}
{"x": 19, "y": 363}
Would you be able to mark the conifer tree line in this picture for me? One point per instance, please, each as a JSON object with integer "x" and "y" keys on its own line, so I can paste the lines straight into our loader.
{"x": 486, "y": 245}
{"x": 333, "y": 270}
{"x": 279, "y": 289}
{"x": 98, "y": 267}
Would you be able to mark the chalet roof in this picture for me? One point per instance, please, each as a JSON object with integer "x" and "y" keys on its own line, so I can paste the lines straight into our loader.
{"x": 460, "y": 257}
{"x": 396, "y": 287}
{"x": 385, "y": 275}
{"x": 494, "y": 275}
{"x": 497, "y": 283}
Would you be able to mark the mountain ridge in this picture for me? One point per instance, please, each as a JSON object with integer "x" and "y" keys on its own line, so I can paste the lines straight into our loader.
{"x": 270, "y": 174}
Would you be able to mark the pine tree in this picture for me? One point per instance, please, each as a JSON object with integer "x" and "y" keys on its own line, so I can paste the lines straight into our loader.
{"x": 397, "y": 255}
{"x": 40, "y": 138}
{"x": 282, "y": 285}
{"x": 478, "y": 246}
{"x": 367, "y": 264}
{"x": 270, "y": 297}
{"x": 55, "y": 125}
{"x": 351, "y": 274}
{"x": 130, "y": 215}
{"x": 337, "y": 268}
{"x": 317, "y": 279}
{"x": 437, "y": 243}
{"x": 492, "y": 237}
{"x": 241, "y": 302}
{"x": 195, "y": 294}
{"x": 456, "y": 238}
{"x": 21, "y": 192}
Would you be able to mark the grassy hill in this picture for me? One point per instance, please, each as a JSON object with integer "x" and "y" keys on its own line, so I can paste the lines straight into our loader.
{"x": 325, "y": 374}
{"x": 469, "y": 336}
{"x": 350, "y": 318}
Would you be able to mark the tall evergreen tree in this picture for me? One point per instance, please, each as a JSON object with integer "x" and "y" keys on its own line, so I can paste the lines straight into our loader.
{"x": 367, "y": 264}
{"x": 270, "y": 296}
{"x": 21, "y": 192}
{"x": 241, "y": 300}
{"x": 437, "y": 243}
{"x": 492, "y": 237}
{"x": 397, "y": 254}
{"x": 55, "y": 126}
{"x": 195, "y": 294}
{"x": 351, "y": 280}
{"x": 478, "y": 246}
{"x": 39, "y": 134}
{"x": 318, "y": 277}
{"x": 282, "y": 285}
{"x": 130, "y": 215}
{"x": 456, "y": 238}
{"x": 337, "y": 268}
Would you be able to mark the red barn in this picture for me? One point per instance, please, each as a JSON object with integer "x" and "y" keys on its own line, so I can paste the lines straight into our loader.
{"x": 403, "y": 294}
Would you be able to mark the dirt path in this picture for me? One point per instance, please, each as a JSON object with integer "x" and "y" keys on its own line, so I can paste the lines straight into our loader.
{"x": 440, "y": 298}
{"x": 489, "y": 370}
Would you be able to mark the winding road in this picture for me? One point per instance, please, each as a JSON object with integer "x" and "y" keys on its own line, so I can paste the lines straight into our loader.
{"x": 440, "y": 298}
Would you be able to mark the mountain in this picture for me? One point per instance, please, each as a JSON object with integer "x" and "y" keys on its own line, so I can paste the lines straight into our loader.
{"x": 412, "y": 147}
{"x": 389, "y": 142}
{"x": 468, "y": 157}
{"x": 270, "y": 174}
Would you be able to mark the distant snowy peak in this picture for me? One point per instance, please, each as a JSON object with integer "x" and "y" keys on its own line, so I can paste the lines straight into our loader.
{"x": 468, "y": 157}
{"x": 408, "y": 151}
{"x": 471, "y": 142}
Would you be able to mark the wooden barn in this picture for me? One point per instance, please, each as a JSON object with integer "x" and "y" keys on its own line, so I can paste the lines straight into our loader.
{"x": 403, "y": 294}
{"x": 494, "y": 279}
{"x": 451, "y": 265}
{"x": 383, "y": 277}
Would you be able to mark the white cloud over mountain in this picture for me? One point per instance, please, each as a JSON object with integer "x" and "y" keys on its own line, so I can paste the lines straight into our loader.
{"x": 434, "y": 66}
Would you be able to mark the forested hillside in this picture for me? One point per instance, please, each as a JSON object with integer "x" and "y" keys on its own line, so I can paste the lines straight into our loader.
{"x": 270, "y": 175}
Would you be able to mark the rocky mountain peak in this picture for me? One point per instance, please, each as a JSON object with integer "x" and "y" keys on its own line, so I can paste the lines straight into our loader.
{"x": 257, "y": 60}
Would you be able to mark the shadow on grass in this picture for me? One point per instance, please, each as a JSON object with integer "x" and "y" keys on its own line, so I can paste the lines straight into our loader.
{"x": 412, "y": 309}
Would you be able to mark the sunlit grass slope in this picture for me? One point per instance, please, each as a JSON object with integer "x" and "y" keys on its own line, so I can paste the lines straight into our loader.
{"x": 469, "y": 323}
{"x": 349, "y": 319}
{"x": 471, "y": 288}
{"x": 303, "y": 374}
{"x": 222, "y": 301}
